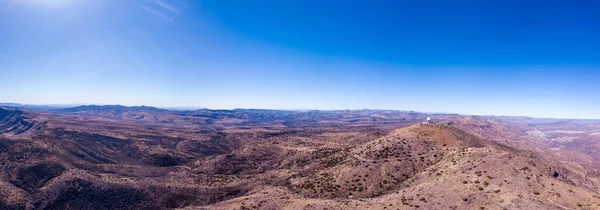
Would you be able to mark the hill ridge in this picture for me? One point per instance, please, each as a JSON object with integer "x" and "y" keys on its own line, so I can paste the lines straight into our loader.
{"x": 12, "y": 121}
{"x": 432, "y": 167}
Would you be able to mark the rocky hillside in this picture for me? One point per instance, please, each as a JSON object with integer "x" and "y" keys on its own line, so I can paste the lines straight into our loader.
{"x": 262, "y": 159}
{"x": 12, "y": 121}
{"x": 429, "y": 167}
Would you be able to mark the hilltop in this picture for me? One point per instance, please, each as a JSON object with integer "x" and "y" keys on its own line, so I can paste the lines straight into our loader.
{"x": 430, "y": 167}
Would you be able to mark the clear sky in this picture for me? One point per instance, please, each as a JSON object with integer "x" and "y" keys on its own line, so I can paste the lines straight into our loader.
{"x": 501, "y": 57}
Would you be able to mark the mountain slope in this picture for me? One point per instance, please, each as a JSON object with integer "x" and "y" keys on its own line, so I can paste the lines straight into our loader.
{"x": 431, "y": 167}
{"x": 262, "y": 159}
{"x": 12, "y": 121}
{"x": 118, "y": 112}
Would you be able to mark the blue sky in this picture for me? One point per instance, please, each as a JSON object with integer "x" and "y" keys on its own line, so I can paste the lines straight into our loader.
{"x": 528, "y": 58}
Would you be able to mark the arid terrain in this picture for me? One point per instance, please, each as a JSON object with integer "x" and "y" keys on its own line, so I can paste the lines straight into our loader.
{"x": 117, "y": 157}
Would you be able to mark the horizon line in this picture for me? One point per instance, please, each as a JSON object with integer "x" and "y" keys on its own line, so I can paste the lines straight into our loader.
{"x": 194, "y": 108}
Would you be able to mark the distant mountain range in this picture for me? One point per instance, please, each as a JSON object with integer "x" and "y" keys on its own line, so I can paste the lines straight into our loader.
{"x": 38, "y": 106}
{"x": 87, "y": 108}
{"x": 66, "y": 108}
{"x": 90, "y": 107}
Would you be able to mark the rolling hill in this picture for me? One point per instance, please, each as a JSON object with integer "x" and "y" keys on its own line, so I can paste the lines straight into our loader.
{"x": 107, "y": 157}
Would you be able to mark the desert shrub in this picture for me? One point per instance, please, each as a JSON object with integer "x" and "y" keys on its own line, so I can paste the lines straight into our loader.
{"x": 33, "y": 177}
{"x": 82, "y": 194}
{"x": 5, "y": 206}
{"x": 3, "y": 147}
{"x": 163, "y": 160}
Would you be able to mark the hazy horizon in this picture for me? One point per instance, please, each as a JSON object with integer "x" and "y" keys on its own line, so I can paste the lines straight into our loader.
{"x": 192, "y": 108}
{"x": 503, "y": 58}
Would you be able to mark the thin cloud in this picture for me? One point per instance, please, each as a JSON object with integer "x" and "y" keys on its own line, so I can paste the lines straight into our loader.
{"x": 167, "y": 6}
{"x": 154, "y": 12}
